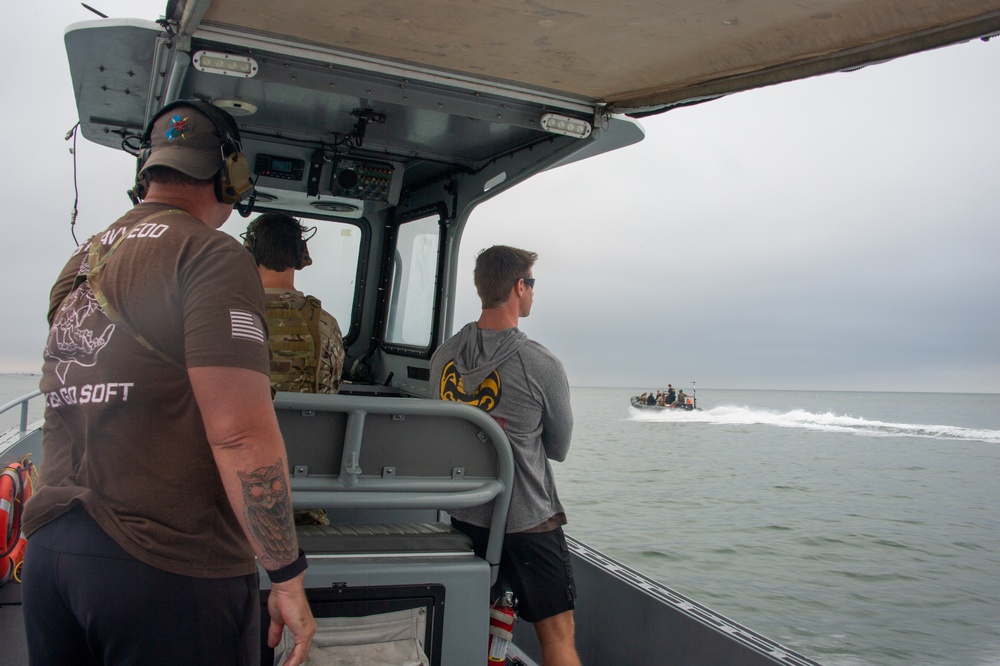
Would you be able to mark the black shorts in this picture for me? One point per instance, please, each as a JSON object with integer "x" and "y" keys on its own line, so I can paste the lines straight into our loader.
{"x": 535, "y": 565}
{"x": 87, "y": 601}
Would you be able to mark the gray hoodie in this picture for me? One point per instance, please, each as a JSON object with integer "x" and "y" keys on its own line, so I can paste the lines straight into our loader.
{"x": 524, "y": 388}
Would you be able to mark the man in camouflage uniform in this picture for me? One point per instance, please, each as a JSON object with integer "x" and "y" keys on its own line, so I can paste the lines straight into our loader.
{"x": 307, "y": 348}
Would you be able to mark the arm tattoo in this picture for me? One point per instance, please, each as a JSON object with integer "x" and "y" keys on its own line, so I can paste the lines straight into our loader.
{"x": 268, "y": 511}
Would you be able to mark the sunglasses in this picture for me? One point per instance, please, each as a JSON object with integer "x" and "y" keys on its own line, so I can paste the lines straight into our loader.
{"x": 530, "y": 282}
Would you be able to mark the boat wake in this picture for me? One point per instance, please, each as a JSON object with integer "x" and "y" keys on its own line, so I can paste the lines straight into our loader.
{"x": 825, "y": 422}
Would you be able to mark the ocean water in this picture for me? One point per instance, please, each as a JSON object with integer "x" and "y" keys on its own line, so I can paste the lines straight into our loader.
{"x": 855, "y": 528}
{"x": 13, "y": 387}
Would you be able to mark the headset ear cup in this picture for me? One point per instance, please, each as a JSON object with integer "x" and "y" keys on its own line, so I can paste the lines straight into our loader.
{"x": 234, "y": 179}
{"x": 250, "y": 240}
{"x": 302, "y": 254}
{"x": 141, "y": 186}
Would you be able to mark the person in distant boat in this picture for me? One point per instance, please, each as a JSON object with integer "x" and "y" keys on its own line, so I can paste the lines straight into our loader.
{"x": 651, "y": 399}
{"x": 307, "y": 347}
{"x": 659, "y": 398}
{"x": 165, "y": 473}
{"x": 680, "y": 399}
{"x": 671, "y": 396}
{"x": 493, "y": 365}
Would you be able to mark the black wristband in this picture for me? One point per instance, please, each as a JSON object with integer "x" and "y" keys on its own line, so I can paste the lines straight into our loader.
{"x": 289, "y": 571}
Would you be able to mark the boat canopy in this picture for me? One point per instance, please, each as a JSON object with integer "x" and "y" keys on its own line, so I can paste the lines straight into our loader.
{"x": 634, "y": 57}
{"x": 482, "y": 94}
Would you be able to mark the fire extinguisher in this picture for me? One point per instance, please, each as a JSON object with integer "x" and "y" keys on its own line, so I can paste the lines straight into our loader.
{"x": 502, "y": 618}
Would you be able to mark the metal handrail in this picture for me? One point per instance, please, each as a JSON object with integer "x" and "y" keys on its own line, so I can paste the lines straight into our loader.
{"x": 349, "y": 490}
{"x": 23, "y": 402}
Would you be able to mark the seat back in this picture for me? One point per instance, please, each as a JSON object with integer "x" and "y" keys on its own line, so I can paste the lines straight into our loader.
{"x": 350, "y": 452}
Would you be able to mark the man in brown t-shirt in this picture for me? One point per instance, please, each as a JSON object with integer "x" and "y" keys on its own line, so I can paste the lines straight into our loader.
{"x": 163, "y": 470}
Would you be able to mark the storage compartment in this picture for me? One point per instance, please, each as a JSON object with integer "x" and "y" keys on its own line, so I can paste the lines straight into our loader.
{"x": 397, "y": 624}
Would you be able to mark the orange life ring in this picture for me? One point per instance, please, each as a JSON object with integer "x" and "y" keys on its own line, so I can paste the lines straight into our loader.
{"x": 11, "y": 564}
{"x": 15, "y": 489}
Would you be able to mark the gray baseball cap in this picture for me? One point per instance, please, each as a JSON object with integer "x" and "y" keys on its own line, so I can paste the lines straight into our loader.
{"x": 187, "y": 140}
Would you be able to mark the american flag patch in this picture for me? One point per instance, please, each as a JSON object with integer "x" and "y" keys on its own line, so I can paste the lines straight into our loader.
{"x": 246, "y": 326}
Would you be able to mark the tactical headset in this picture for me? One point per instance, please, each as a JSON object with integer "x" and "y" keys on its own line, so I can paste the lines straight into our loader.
{"x": 232, "y": 182}
{"x": 302, "y": 258}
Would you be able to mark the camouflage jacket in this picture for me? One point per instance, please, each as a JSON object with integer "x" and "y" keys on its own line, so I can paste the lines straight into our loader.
{"x": 298, "y": 364}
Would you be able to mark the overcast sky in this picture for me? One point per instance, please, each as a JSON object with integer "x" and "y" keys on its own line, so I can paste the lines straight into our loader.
{"x": 838, "y": 233}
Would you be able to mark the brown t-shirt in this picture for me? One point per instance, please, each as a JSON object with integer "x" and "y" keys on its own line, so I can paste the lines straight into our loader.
{"x": 123, "y": 434}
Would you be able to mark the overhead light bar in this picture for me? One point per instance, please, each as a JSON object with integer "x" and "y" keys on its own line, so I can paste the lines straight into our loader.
{"x": 557, "y": 124}
{"x": 224, "y": 63}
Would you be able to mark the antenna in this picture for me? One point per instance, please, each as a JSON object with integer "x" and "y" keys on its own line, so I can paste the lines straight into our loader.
{"x": 86, "y": 6}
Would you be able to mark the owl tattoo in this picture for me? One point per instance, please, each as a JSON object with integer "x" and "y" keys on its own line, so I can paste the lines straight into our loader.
{"x": 268, "y": 512}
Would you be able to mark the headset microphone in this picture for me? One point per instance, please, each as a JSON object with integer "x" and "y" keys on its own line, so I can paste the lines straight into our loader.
{"x": 244, "y": 209}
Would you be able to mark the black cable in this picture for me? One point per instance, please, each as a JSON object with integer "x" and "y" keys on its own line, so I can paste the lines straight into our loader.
{"x": 76, "y": 190}
{"x": 127, "y": 144}
{"x": 245, "y": 209}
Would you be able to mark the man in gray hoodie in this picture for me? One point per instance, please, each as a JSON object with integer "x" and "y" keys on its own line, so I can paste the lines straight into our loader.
{"x": 523, "y": 386}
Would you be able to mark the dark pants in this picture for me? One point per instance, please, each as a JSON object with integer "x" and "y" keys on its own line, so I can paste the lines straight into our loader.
{"x": 87, "y": 601}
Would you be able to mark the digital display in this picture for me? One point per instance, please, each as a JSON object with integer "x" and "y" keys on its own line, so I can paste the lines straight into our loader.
{"x": 286, "y": 168}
